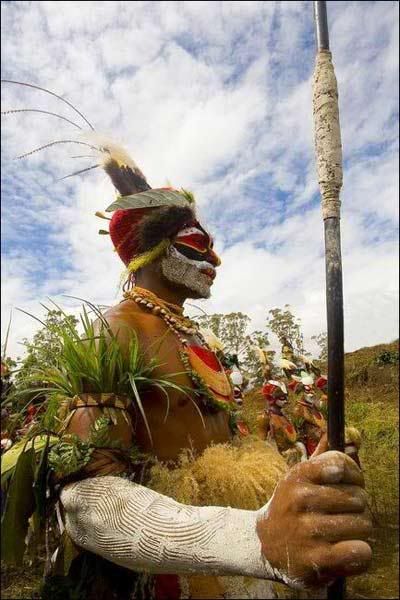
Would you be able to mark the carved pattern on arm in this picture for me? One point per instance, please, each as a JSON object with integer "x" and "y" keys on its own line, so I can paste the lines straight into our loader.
{"x": 138, "y": 528}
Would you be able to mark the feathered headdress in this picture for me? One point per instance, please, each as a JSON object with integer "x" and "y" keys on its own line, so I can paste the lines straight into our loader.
{"x": 144, "y": 220}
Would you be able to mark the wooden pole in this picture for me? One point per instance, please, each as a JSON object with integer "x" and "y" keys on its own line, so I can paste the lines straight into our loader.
{"x": 328, "y": 150}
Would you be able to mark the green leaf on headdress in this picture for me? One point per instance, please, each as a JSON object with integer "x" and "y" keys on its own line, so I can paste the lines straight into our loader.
{"x": 188, "y": 195}
{"x": 151, "y": 199}
{"x": 69, "y": 456}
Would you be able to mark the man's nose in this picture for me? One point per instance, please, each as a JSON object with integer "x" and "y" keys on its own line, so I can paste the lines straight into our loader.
{"x": 213, "y": 258}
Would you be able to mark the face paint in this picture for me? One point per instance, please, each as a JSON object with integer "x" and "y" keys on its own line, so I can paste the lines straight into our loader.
{"x": 191, "y": 261}
{"x": 183, "y": 274}
{"x": 281, "y": 401}
{"x": 194, "y": 243}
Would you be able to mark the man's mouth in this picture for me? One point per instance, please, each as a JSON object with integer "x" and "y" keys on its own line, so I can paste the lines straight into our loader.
{"x": 211, "y": 273}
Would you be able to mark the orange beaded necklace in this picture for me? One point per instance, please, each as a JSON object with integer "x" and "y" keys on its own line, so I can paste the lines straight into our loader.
{"x": 208, "y": 376}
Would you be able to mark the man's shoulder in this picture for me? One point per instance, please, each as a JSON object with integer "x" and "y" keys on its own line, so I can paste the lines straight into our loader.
{"x": 128, "y": 314}
{"x": 125, "y": 309}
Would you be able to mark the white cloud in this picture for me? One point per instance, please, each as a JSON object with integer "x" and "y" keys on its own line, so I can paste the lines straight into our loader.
{"x": 216, "y": 97}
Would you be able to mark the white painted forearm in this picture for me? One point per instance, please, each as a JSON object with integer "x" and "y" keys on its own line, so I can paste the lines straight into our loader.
{"x": 137, "y": 528}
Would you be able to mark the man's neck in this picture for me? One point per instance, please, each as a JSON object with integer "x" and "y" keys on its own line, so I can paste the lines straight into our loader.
{"x": 157, "y": 287}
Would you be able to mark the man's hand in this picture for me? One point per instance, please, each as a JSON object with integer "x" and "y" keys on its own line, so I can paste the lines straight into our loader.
{"x": 316, "y": 525}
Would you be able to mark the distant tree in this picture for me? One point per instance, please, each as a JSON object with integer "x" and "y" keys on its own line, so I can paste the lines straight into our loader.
{"x": 45, "y": 347}
{"x": 250, "y": 359}
{"x": 231, "y": 329}
{"x": 286, "y": 326}
{"x": 322, "y": 341}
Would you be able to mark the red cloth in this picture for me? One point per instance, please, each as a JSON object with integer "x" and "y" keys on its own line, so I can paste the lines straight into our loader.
{"x": 167, "y": 587}
{"x": 289, "y": 428}
{"x": 242, "y": 428}
{"x": 311, "y": 446}
{"x": 321, "y": 382}
{"x": 292, "y": 385}
{"x": 268, "y": 389}
{"x": 123, "y": 232}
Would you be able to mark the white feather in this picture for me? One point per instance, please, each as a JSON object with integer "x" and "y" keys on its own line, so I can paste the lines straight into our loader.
{"x": 109, "y": 150}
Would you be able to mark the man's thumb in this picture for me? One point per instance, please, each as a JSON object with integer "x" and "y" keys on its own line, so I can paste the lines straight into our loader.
{"x": 322, "y": 446}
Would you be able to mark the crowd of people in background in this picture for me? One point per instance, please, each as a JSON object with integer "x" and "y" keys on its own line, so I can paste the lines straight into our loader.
{"x": 293, "y": 419}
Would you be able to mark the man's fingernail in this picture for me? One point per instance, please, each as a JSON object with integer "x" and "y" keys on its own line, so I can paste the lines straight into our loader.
{"x": 332, "y": 473}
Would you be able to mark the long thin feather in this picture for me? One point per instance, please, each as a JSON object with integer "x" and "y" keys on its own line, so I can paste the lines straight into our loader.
{"x": 78, "y": 172}
{"x": 83, "y": 156}
{"x": 36, "y": 110}
{"x": 110, "y": 149}
{"x": 37, "y": 87}
{"x": 53, "y": 144}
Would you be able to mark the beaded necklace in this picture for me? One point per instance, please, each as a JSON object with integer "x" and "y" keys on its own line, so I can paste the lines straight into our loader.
{"x": 170, "y": 313}
{"x": 212, "y": 386}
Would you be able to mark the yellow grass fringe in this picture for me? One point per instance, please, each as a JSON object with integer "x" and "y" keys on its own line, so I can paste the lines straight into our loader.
{"x": 147, "y": 257}
{"x": 242, "y": 474}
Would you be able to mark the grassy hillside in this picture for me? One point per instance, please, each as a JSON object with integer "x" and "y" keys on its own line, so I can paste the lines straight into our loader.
{"x": 372, "y": 396}
{"x": 372, "y": 407}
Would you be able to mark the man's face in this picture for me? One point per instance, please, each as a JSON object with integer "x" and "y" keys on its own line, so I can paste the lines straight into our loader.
{"x": 191, "y": 261}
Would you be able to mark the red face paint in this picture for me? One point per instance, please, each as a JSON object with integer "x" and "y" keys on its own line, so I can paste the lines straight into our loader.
{"x": 196, "y": 244}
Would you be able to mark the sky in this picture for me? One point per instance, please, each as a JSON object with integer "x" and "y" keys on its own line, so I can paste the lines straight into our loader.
{"x": 214, "y": 97}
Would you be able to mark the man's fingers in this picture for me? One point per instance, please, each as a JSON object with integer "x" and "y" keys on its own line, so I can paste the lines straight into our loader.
{"x": 328, "y": 468}
{"x": 338, "y": 528}
{"x": 343, "y": 559}
{"x": 331, "y": 499}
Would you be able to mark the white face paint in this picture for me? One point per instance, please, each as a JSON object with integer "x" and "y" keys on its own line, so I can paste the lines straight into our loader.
{"x": 180, "y": 271}
{"x": 195, "y": 274}
{"x": 309, "y": 398}
{"x": 281, "y": 402}
{"x": 201, "y": 265}
{"x": 190, "y": 262}
{"x": 279, "y": 384}
{"x": 236, "y": 376}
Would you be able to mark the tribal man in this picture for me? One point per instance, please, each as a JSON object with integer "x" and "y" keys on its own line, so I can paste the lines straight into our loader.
{"x": 315, "y": 526}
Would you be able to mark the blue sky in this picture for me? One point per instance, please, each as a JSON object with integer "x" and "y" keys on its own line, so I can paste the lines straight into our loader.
{"x": 215, "y": 97}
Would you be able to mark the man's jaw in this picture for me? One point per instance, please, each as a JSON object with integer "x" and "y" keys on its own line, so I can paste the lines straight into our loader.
{"x": 194, "y": 276}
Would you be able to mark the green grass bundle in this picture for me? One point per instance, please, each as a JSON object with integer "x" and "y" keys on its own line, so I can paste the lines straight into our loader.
{"x": 91, "y": 363}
